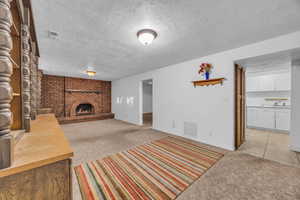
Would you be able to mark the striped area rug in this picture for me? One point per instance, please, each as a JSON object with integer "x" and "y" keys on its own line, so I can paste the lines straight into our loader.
{"x": 160, "y": 170}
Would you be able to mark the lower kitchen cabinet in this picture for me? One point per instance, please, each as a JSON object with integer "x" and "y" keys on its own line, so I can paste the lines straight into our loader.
{"x": 268, "y": 118}
{"x": 252, "y": 117}
{"x": 283, "y": 118}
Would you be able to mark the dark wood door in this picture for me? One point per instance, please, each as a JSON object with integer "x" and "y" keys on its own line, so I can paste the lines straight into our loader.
{"x": 240, "y": 105}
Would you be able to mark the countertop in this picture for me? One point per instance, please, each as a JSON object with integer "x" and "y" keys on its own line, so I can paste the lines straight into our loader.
{"x": 45, "y": 144}
{"x": 288, "y": 107}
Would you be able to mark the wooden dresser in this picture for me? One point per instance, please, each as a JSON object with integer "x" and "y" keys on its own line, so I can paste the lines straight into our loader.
{"x": 42, "y": 167}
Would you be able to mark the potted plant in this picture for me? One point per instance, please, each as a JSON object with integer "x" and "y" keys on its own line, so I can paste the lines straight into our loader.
{"x": 205, "y": 69}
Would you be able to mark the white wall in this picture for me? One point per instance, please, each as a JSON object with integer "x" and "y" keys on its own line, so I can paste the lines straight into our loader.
{"x": 147, "y": 98}
{"x": 295, "y": 118}
{"x": 176, "y": 101}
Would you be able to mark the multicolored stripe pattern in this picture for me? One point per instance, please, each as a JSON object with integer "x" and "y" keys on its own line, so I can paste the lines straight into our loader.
{"x": 160, "y": 170}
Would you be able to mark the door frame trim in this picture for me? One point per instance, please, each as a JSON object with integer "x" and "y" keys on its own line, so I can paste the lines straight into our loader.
{"x": 237, "y": 118}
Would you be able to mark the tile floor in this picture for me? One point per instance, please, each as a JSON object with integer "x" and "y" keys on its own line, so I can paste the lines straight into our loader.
{"x": 271, "y": 146}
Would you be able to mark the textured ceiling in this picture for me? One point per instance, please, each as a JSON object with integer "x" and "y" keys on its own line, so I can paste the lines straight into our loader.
{"x": 102, "y": 33}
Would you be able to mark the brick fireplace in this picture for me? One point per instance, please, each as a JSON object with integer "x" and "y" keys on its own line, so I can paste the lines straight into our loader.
{"x": 76, "y": 99}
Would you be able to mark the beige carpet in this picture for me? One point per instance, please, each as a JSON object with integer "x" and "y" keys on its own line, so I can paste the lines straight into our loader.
{"x": 237, "y": 176}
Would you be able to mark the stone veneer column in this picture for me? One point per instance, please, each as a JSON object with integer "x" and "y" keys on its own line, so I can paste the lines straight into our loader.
{"x": 6, "y": 140}
{"x": 33, "y": 87}
{"x": 26, "y": 76}
{"x": 39, "y": 89}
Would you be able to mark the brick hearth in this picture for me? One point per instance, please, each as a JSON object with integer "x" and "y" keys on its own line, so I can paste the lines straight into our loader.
{"x": 64, "y": 94}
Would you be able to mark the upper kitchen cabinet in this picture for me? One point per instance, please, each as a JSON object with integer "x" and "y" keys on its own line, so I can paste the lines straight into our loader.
{"x": 252, "y": 84}
{"x": 272, "y": 82}
{"x": 266, "y": 83}
{"x": 282, "y": 81}
{"x": 260, "y": 83}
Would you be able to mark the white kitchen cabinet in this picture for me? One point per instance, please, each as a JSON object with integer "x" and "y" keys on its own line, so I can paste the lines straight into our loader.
{"x": 272, "y": 82}
{"x": 260, "y": 83}
{"x": 266, "y": 83}
{"x": 259, "y": 117}
{"x": 283, "y": 82}
{"x": 266, "y": 118}
{"x": 252, "y": 117}
{"x": 283, "y": 118}
{"x": 252, "y": 84}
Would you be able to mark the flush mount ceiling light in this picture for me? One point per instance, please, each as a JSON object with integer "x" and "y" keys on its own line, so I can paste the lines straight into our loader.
{"x": 90, "y": 71}
{"x": 146, "y": 36}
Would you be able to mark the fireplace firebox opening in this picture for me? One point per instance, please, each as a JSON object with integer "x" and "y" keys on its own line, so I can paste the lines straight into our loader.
{"x": 85, "y": 109}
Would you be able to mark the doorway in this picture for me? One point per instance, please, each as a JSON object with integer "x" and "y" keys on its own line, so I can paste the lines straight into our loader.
{"x": 263, "y": 108}
{"x": 147, "y": 102}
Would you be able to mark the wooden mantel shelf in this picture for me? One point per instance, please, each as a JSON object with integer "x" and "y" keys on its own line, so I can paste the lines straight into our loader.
{"x": 209, "y": 82}
{"x": 83, "y": 91}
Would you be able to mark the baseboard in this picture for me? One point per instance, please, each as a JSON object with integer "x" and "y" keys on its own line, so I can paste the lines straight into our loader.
{"x": 128, "y": 122}
{"x": 196, "y": 140}
{"x": 165, "y": 131}
{"x": 294, "y": 148}
{"x": 268, "y": 129}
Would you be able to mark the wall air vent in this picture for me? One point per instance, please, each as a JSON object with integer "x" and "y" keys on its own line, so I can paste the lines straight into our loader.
{"x": 53, "y": 35}
{"x": 190, "y": 129}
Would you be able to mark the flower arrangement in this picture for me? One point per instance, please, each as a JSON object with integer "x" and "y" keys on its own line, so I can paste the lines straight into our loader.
{"x": 205, "y": 68}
